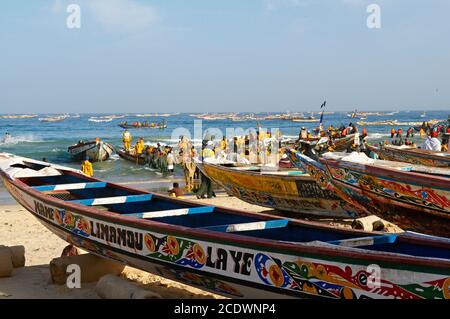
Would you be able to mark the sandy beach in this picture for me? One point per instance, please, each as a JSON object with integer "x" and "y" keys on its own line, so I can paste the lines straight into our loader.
{"x": 19, "y": 227}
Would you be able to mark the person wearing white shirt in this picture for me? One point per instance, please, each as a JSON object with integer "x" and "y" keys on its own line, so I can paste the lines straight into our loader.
{"x": 432, "y": 143}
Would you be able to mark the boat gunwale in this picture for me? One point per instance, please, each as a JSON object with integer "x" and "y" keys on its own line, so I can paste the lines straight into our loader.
{"x": 417, "y": 178}
{"x": 292, "y": 248}
{"x": 305, "y": 177}
{"x": 414, "y": 152}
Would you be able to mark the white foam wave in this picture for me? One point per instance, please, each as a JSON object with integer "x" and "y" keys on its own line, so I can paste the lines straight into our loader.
{"x": 374, "y": 136}
{"x": 96, "y": 120}
{"x": 114, "y": 157}
{"x": 13, "y": 140}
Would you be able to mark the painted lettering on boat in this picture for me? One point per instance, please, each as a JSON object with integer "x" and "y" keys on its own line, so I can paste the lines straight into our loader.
{"x": 118, "y": 236}
{"x": 43, "y": 210}
{"x": 218, "y": 259}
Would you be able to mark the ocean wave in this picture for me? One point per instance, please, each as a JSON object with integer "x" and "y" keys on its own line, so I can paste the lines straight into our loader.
{"x": 114, "y": 157}
{"x": 374, "y": 136}
{"x": 97, "y": 120}
{"x": 14, "y": 140}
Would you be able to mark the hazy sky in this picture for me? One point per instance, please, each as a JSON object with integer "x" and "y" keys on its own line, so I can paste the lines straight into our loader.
{"x": 230, "y": 55}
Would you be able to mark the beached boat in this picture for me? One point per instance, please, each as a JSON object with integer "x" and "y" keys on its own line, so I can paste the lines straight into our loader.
{"x": 233, "y": 253}
{"x": 412, "y": 155}
{"x": 131, "y": 156}
{"x": 96, "y": 151}
{"x": 341, "y": 143}
{"x": 414, "y": 197}
{"x": 283, "y": 189}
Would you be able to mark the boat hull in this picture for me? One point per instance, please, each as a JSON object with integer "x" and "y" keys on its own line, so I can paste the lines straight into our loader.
{"x": 131, "y": 157}
{"x": 96, "y": 152}
{"x": 413, "y": 156}
{"x": 303, "y": 275}
{"x": 295, "y": 193}
{"x": 341, "y": 144}
{"x": 410, "y": 201}
{"x": 142, "y": 127}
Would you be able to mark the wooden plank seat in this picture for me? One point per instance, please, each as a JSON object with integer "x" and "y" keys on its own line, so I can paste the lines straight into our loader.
{"x": 173, "y": 212}
{"x": 71, "y": 186}
{"x": 365, "y": 241}
{"x": 259, "y": 225}
{"x": 113, "y": 200}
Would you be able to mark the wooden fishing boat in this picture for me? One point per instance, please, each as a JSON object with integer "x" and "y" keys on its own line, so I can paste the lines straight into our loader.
{"x": 414, "y": 197}
{"x": 52, "y": 119}
{"x": 143, "y": 125}
{"x": 131, "y": 156}
{"x": 412, "y": 155}
{"x": 96, "y": 151}
{"x": 229, "y": 252}
{"x": 283, "y": 189}
{"x": 341, "y": 143}
{"x": 15, "y": 116}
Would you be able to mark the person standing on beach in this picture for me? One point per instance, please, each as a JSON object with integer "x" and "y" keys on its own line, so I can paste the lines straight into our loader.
{"x": 86, "y": 168}
{"x": 170, "y": 160}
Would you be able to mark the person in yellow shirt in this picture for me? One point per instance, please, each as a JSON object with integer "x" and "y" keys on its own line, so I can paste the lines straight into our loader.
{"x": 142, "y": 142}
{"x": 139, "y": 147}
{"x": 126, "y": 138}
{"x": 422, "y": 132}
{"x": 208, "y": 150}
{"x": 223, "y": 145}
{"x": 86, "y": 168}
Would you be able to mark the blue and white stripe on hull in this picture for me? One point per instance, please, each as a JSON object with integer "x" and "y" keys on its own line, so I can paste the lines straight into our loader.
{"x": 73, "y": 186}
{"x": 173, "y": 212}
{"x": 365, "y": 241}
{"x": 113, "y": 200}
{"x": 276, "y": 223}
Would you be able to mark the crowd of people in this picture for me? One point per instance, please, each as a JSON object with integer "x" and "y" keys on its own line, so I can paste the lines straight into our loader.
{"x": 426, "y": 131}
{"x": 261, "y": 147}
{"x": 157, "y": 157}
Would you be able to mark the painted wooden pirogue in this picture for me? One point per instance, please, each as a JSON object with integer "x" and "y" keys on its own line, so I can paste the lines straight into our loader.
{"x": 412, "y": 155}
{"x": 229, "y": 252}
{"x": 414, "y": 197}
{"x": 340, "y": 143}
{"x": 96, "y": 151}
{"x": 285, "y": 189}
{"x": 131, "y": 156}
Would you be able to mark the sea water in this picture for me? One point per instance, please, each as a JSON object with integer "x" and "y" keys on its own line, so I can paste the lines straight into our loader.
{"x": 35, "y": 139}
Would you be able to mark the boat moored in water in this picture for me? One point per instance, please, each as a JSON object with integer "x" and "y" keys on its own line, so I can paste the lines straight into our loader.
{"x": 131, "y": 156}
{"x": 95, "y": 151}
{"x": 229, "y": 252}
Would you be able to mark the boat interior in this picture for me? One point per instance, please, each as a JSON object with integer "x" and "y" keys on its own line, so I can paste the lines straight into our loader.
{"x": 73, "y": 187}
{"x": 362, "y": 159}
{"x": 264, "y": 169}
